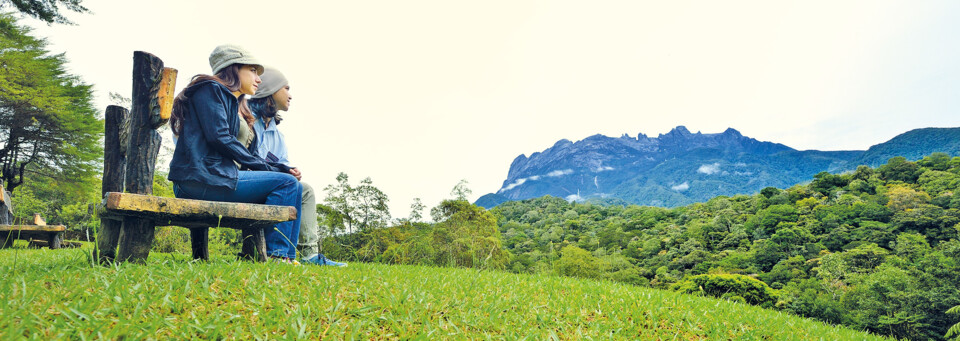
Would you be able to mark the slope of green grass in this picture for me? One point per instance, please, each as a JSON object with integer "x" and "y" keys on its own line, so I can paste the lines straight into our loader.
{"x": 56, "y": 294}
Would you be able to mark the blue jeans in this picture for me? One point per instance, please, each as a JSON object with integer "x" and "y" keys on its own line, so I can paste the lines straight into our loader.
{"x": 257, "y": 187}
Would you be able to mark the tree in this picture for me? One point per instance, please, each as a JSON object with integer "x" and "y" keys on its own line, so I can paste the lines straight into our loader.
{"x": 371, "y": 206}
{"x": 339, "y": 200}
{"x": 936, "y": 161}
{"x": 911, "y": 246}
{"x": 765, "y": 222}
{"x": 466, "y": 235}
{"x": 730, "y": 286}
{"x": 361, "y": 207}
{"x": 899, "y": 169}
{"x": 903, "y": 198}
{"x": 46, "y": 10}
{"x": 954, "y": 331}
{"x": 824, "y": 182}
{"x": 889, "y": 301}
{"x": 48, "y": 125}
{"x": 416, "y": 210}
{"x": 461, "y": 191}
{"x": 577, "y": 262}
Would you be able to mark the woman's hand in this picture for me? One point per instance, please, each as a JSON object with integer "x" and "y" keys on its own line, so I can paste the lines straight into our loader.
{"x": 295, "y": 172}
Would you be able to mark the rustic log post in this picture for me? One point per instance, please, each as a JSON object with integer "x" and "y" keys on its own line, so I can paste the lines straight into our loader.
{"x": 253, "y": 245}
{"x": 6, "y": 239}
{"x": 199, "y": 240}
{"x": 54, "y": 239}
{"x": 6, "y": 207}
{"x": 38, "y": 220}
{"x": 161, "y": 109}
{"x": 113, "y": 163}
{"x": 136, "y": 235}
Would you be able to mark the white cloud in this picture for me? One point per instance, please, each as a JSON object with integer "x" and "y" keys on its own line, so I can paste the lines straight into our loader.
{"x": 602, "y": 168}
{"x": 681, "y": 187}
{"x": 511, "y": 186}
{"x": 709, "y": 169}
{"x": 558, "y": 172}
{"x": 521, "y": 181}
{"x": 573, "y": 197}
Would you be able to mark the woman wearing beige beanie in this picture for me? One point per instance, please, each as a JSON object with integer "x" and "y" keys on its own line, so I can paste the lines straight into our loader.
{"x": 208, "y": 157}
{"x": 273, "y": 96}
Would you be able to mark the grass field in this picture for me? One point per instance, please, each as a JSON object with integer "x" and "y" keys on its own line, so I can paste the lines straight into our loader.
{"x": 56, "y": 294}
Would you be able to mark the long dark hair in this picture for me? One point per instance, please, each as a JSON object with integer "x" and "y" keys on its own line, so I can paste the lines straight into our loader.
{"x": 229, "y": 77}
{"x": 266, "y": 107}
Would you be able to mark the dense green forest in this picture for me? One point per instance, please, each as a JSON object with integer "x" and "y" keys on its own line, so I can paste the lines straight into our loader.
{"x": 874, "y": 249}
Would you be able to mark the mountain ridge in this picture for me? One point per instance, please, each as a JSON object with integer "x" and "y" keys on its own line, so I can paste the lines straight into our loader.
{"x": 681, "y": 167}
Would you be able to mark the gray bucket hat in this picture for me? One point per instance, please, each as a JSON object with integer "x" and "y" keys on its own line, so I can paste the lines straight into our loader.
{"x": 226, "y": 55}
{"x": 271, "y": 81}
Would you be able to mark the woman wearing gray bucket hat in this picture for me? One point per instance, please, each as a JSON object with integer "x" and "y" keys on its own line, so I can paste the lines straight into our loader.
{"x": 208, "y": 157}
{"x": 273, "y": 96}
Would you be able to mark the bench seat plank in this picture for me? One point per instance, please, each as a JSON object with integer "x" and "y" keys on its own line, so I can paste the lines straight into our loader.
{"x": 52, "y": 234}
{"x": 194, "y": 213}
{"x": 39, "y": 228}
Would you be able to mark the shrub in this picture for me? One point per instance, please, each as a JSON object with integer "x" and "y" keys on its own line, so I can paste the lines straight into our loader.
{"x": 171, "y": 239}
{"x": 732, "y": 287}
{"x": 577, "y": 262}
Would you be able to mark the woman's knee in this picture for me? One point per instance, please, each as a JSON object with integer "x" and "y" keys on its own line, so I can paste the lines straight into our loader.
{"x": 290, "y": 184}
{"x": 291, "y": 181}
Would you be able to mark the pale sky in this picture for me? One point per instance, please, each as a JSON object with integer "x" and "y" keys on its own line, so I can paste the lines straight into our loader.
{"x": 420, "y": 94}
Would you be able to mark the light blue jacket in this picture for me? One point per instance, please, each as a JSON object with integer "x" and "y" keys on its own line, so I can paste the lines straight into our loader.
{"x": 272, "y": 146}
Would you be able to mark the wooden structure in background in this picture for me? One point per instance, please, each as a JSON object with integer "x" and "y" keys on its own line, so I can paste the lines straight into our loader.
{"x": 6, "y": 207}
{"x": 130, "y": 214}
{"x": 51, "y": 235}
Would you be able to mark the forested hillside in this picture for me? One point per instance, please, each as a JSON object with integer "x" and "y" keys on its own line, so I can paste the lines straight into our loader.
{"x": 874, "y": 249}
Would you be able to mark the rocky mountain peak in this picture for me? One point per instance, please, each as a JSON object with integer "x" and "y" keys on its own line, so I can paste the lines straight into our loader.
{"x": 681, "y": 167}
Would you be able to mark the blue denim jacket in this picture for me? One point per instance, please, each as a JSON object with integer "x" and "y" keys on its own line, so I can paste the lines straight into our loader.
{"x": 208, "y": 146}
{"x": 271, "y": 144}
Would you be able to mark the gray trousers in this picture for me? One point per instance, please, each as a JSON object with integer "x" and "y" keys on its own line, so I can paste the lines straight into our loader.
{"x": 309, "y": 230}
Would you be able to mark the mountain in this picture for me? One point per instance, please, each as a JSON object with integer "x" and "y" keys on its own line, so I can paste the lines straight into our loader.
{"x": 913, "y": 145}
{"x": 680, "y": 167}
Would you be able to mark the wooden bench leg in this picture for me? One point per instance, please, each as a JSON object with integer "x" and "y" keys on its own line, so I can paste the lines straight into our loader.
{"x": 199, "y": 240}
{"x": 6, "y": 239}
{"x": 136, "y": 239}
{"x": 107, "y": 239}
{"x": 254, "y": 245}
{"x": 54, "y": 239}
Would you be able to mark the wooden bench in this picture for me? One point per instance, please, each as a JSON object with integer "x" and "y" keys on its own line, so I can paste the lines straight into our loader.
{"x": 199, "y": 216}
{"x": 129, "y": 213}
{"x": 52, "y": 235}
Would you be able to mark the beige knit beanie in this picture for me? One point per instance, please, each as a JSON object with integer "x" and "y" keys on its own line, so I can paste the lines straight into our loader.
{"x": 271, "y": 81}
{"x": 226, "y": 55}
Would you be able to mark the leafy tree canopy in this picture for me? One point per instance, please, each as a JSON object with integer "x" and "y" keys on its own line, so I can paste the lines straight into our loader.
{"x": 46, "y": 10}
{"x": 48, "y": 124}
